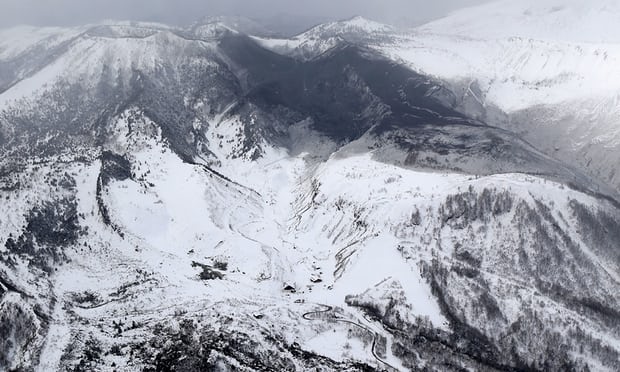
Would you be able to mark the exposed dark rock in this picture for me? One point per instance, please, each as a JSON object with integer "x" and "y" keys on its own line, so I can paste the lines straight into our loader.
{"x": 208, "y": 272}
{"x": 114, "y": 167}
{"x": 51, "y": 227}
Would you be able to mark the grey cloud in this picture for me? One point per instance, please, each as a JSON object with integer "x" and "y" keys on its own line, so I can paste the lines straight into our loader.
{"x": 74, "y": 12}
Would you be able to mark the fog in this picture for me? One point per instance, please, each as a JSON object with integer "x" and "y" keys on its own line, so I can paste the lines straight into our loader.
{"x": 181, "y": 12}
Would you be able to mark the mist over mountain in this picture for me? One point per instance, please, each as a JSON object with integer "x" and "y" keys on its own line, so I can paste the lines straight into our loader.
{"x": 274, "y": 13}
{"x": 258, "y": 193}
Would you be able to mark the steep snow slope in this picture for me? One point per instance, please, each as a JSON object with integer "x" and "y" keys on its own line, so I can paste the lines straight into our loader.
{"x": 432, "y": 251}
{"x": 550, "y": 67}
{"x": 25, "y": 50}
{"x": 517, "y": 72}
{"x": 18, "y": 40}
{"x": 104, "y": 50}
{"x": 556, "y": 20}
{"x": 528, "y": 53}
{"x": 321, "y": 38}
{"x": 545, "y": 69}
{"x": 520, "y": 53}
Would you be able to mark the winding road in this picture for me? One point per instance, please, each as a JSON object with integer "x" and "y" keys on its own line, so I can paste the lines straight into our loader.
{"x": 315, "y": 315}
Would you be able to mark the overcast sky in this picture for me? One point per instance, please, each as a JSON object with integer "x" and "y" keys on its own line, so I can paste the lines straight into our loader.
{"x": 73, "y": 12}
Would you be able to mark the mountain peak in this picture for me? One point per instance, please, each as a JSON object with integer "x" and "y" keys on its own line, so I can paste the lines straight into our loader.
{"x": 356, "y": 25}
{"x": 236, "y": 24}
{"x": 358, "y": 19}
{"x": 364, "y": 24}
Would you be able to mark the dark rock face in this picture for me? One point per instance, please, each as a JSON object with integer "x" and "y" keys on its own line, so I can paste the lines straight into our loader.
{"x": 346, "y": 91}
{"x": 50, "y": 228}
{"x": 19, "y": 328}
{"x": 114, "y": 167}
{"x": 349, "y": 92}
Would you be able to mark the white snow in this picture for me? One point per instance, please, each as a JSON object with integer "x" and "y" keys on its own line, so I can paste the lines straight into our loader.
{"x": 290, "y": 220}
{"x": 90, "y": 59}
{"x": 593, "y": 21}
{"x": 323, "y": 37}
{"x": 521, "y": 53}
{"x": 17, "y": 40}
{"x": 328, "y": 228}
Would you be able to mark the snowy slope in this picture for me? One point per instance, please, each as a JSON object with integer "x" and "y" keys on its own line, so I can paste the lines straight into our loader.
{"x": 321, "y": 38}
{"x": 90, "y": 55}
{"x": 571, "y": 21}
{"x": 517, "y": 72}
{"x": 179, "y": 199}
{"x": 546, "y": 69}
{"x": 521, "y": 53}
{"x": 15, "y": 41}
{"x": 343, "y": 233}
{"x": 559, "y": 92}
{"x": 524, "y": 53}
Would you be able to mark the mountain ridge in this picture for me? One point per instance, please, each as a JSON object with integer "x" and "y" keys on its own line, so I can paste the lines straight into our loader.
{"x": 201, "y": 202}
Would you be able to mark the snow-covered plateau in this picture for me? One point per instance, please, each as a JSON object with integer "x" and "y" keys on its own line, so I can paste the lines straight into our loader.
{"x": 355, "y": 198}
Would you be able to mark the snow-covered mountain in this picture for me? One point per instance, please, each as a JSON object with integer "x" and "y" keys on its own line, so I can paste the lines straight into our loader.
{"x": 551, "y": 67}
{"x": 321, "y": 38}
{"x": 545, "y": 69}
{"x": 201, "y": 199}
{"x": 571, "y": 21}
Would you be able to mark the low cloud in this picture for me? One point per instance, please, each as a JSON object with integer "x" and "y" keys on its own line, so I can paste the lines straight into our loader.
{"x": 75, "y": 12}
